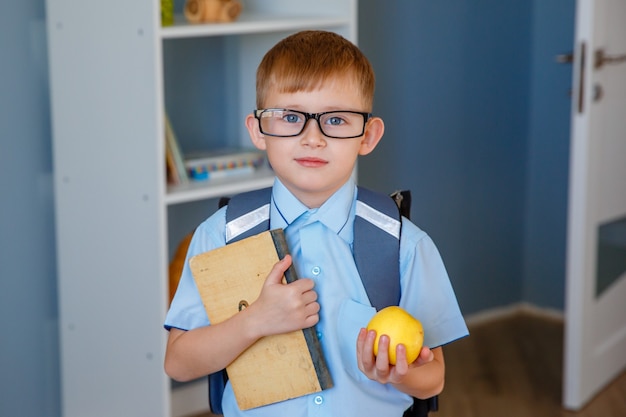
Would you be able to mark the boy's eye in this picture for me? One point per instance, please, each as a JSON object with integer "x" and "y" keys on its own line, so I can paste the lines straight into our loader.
{"x": 292, "y": 117}
{"x": 335, "y": 121}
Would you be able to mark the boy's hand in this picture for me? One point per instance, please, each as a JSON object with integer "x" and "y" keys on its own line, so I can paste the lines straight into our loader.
{"x": 377, "y": 368}
{"x": 283, "y": 308}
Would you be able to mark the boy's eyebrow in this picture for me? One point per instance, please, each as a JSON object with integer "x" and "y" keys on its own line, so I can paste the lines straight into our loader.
{"x": 320, "y": 110}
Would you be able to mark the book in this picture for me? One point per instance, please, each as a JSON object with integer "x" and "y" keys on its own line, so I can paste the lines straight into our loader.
{"x": 277, "y": 367}
{"x": 170, "y": 166}
{"x": 203, "y": 175}
{"x": 207, "y": 165}
{"x": 174, "y": 156}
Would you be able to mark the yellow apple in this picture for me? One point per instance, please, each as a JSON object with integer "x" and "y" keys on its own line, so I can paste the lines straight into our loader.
{"x": 402, "y": 328}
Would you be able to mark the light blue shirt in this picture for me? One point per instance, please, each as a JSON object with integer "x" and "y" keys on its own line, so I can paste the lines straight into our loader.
{"x": 322, "y": 250}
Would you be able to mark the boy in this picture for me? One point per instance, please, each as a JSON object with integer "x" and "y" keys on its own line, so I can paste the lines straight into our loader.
{"x": 319, "y": 75}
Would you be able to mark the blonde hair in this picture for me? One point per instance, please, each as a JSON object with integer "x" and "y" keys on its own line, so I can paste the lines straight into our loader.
{"x": 305, "y": 60}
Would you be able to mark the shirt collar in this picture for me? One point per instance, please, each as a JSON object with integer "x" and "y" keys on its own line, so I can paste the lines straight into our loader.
{"x": 334, "y": 213}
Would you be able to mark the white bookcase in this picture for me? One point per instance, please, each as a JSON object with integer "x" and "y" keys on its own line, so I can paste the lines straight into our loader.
{"x": 114, "y": 70}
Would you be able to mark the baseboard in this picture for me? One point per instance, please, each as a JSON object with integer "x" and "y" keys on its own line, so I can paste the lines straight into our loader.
{"x": 511, "y": 310}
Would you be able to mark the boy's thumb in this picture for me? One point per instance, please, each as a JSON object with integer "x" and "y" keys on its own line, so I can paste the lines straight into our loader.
{"x": 278, "y": 270}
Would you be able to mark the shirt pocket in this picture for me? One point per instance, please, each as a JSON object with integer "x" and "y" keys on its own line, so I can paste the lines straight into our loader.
{"x": 351, "y": 318}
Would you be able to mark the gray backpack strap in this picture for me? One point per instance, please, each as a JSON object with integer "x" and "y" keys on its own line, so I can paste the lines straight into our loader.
{"x": 247, "y": 214}
{"x": 377, "y": 227}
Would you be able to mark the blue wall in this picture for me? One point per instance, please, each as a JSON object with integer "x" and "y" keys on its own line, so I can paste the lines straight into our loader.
{"x": 477, "y": 127}
{"x": 548, "y": 154}
{"x": 29, "y": 364}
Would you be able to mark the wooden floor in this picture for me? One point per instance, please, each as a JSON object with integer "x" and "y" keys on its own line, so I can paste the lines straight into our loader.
{"x": 512, "y": 367}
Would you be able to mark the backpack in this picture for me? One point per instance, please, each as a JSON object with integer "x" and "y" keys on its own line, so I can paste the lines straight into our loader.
{"x": 377, "y": 228}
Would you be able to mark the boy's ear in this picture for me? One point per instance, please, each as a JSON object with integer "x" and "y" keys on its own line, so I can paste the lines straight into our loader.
{"x": 257, "y": 138}
{"x": 374, "y": 131}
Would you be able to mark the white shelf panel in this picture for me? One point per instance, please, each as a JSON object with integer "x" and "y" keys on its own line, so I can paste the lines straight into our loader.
{"x": 84, "y": 68}
{"x": 249, "y": 24}
{"x": 221, "y": 187}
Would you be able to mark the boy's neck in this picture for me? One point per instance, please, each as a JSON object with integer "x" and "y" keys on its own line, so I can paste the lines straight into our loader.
{"x": 313, "y": 200}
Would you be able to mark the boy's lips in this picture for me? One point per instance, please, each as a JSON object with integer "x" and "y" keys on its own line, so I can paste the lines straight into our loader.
{"x": 311, "y": 162}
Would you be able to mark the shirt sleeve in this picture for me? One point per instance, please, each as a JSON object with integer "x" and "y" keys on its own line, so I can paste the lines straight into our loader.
{"x": 426, "y": 289}
{"x": 187, "y": 311}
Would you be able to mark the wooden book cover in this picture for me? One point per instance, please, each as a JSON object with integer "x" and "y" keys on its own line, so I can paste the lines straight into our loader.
{"x": 275, "y": 368}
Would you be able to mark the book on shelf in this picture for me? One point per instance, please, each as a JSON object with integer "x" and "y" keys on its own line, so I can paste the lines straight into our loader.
{"x": 173, "y": 156}
{"x": 221, "y": 163}
{"x": 275, "y": 368}
{"x": 170, "y": 165}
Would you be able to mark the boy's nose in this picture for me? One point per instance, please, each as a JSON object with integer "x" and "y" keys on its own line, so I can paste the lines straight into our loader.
{"x": 312, "y": 134}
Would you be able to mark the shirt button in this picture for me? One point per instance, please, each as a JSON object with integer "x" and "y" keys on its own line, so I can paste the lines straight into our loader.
{"x": 316, "y": 270}
{"x": 319, "y": 335}
{"x": 318, "y": 400}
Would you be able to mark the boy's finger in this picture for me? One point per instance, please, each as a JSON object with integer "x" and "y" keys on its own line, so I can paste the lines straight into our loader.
{"x": 368, "y": 346}
{"x": 382, "y": 359}
{"x": 278, "y": 270}
{"x": 425, "y": 356}
{"x": 402, "y": 365}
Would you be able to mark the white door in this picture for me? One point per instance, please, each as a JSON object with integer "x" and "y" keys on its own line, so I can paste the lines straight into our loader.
{"x": 595, "y": 332}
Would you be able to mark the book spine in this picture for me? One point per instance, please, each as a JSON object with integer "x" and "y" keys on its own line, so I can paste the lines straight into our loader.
{"x": 225, "y": 162}
{"x": 280, "y": 243}
{"x": 197, "y": 171}
{"x": 177, "y": 155}
{"x": 310, "y": 334}
{"x": 198, "y": 175}
{"x": 172, "y": 172}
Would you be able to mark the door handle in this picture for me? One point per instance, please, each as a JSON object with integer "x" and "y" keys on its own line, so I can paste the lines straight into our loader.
{"x": 567, "y": 58}
{"x": 581, "y": 78}
{"x": 601, "y": 58}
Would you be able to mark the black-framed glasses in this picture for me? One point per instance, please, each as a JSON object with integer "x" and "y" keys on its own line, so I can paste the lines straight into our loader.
{"x": 285, "y": 123}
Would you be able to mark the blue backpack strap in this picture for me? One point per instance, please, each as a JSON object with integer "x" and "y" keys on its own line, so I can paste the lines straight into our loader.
{"x": 217, "y": 384}
{"x": 377, "y": 227}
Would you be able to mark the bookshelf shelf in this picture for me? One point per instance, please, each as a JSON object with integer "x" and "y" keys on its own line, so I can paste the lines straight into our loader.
{"x": 200, "y": 190}
{"x": 114, "y": 74}
{"x": 251, "y": 24}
